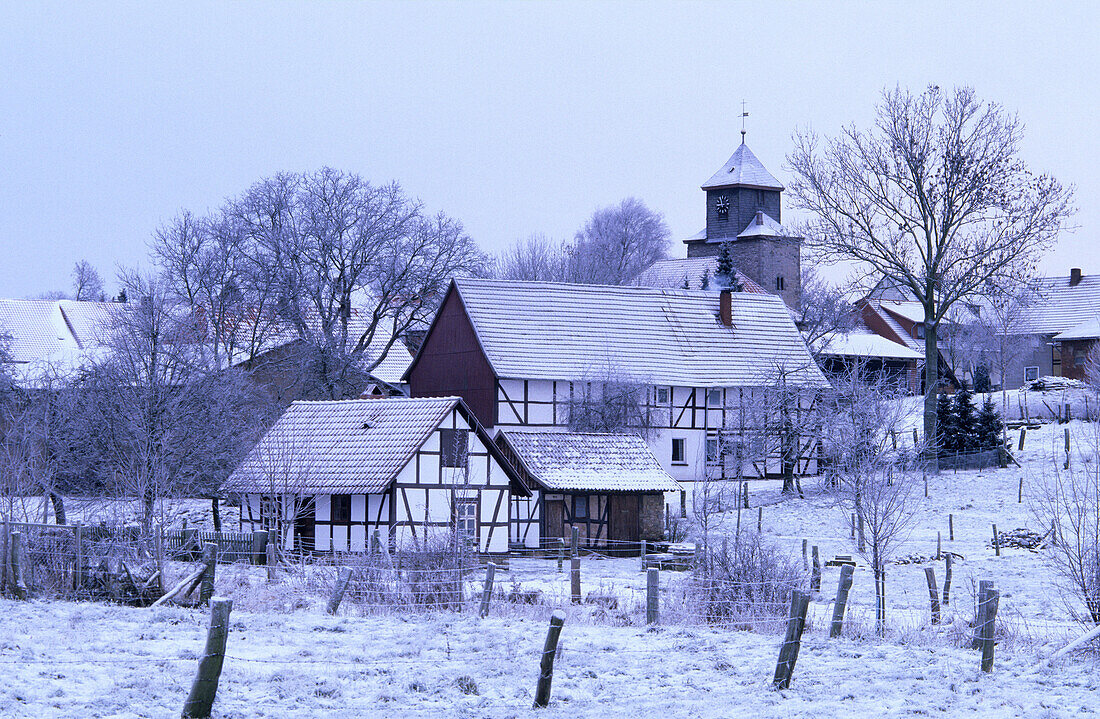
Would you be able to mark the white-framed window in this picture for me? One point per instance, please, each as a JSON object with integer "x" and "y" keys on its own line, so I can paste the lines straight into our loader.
{"x": 466, "y": 518}
{"x": 679, "y": 450}
{"x": 1031, "y": 374}
{"x": 714, "y": 398}
{"x": 663, "y": 395}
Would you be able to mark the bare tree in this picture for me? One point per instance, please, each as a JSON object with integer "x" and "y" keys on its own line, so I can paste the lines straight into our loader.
{"x": 617, "y": 243}
{"x": 876, "y": 481}
{"x": 87, "y": 284}
{"x": 610, "y": 401}
{"x": 535, "y": 259}
{"x": 823, "y": 310}
{"x": 935, "y": 198}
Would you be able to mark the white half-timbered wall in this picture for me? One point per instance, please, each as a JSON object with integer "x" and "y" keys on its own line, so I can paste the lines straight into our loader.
{"x": 691, "y": 414}
{"x": 420, "y": 503}
{"x": 527, "y": 520}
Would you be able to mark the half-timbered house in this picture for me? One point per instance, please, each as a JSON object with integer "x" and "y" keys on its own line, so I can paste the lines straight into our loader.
{"x": 328, "y": 475}
{"x": 698, "y": 364}
{"x": 609, "y": 486}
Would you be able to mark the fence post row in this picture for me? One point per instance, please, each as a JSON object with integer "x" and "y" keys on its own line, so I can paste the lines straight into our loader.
{"x": 947, "y": 581}
{"x": 487, "y": 592}
{"x": 652, "y": 600}
{"x": 992, "y": 600}
{"x": 933, "y": 593}
{"x": 338, "y": 591}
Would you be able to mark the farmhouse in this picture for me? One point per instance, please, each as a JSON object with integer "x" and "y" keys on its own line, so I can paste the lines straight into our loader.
{"x": 687, "y": 366}
{"x": 609, "y": 486}
{"x": 328, "y": 475}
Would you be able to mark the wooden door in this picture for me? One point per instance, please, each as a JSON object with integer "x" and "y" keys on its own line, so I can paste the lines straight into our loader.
{"x": 625, "y": 520}
{"x": 554, "y": 522}
{"x": 305, "y": 525}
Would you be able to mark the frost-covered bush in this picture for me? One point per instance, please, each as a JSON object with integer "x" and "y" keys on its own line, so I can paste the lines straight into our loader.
{"x": 429, "y": 574}
{"x": 746, "y": 582}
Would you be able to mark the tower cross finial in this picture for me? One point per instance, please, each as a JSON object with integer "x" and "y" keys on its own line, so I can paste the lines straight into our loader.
{"x": 744, "y": 114}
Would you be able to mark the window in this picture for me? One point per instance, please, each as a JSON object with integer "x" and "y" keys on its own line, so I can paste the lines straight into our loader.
{"x": 712, "y": 450}
{"x": 466, "y": 518}
{"x": 1031, "y": 374}
{"x": 663, "y": 395}
{"x": 452, "y": 446}
{"x": 341, "y": 508}
{"x": 779, "y": 284}
{"x": 918, "y": 331}
{"x": 1079, "y": 358}
{"x": 679, "y": 456}
{"x": 580, "y": 507}
{"x": 714, "y": 398}
{"x": 267, "y": 512}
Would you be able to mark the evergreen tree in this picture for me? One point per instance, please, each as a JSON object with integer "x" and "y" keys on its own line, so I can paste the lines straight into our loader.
{"x": 725, "y": 262}
{"x": 966, "y": 437}
{"x": 946, "y": 429}
{"x": 982, "y": 382}
{"x": 989, "y": 426}
{"x": 687, "y": 285}
{"x": 704, "y": 281}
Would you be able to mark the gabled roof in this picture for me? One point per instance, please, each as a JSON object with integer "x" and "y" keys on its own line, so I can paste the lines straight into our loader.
{"x": 864, "y": 343}
{"x": 672, "y": 273}
{"x": 889, "y": 320}
{"x": 763, "y": 225}
{"x": 346, "y": 446}
{"x": 558, "y": 331}
{"x": 1058, "y": 307}
{"x": 1087, "y": 330}
{"x": 45, "y": 328}
{"x": 589, "y": 462}
{"x": 743, "y": 170}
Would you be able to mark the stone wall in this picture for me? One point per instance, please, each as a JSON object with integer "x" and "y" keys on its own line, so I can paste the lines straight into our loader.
{"x": 652, "y": 524}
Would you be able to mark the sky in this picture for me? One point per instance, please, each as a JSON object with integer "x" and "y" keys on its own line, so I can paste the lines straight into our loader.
{"x": 515, "y": 118}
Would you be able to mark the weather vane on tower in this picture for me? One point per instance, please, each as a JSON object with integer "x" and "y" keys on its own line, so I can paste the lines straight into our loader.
{"x": 744, "y": 114}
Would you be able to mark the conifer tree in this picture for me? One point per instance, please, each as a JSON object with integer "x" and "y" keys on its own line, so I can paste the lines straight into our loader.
{"x": 946, "y": 429}
{"x": 989, "y": 426}
{"x": 965, "y": 422}
{"x": 704, "y": 281}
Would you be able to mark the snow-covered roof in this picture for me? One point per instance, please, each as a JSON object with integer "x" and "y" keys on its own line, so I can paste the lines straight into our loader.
{"x": 912, "y": 311}
{"x": 1058, "y": 307}
{"x": 672, "y": 273}
{"x": 589, "y": 462}
{"x": 550, "y": 330}
{"x": 45, "y": 328}
{"x": 763, "y": 225}
{"x": 1087, "y": 330}
{"x": 864, "y": 343}
{"x": 745, "y": 170}
{"x": 340, "y": 447}
{"x": 910, "y": 342}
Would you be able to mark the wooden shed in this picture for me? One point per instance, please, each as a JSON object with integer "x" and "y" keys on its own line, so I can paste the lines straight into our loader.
{"x": 609, "y": 486}
{"x": 328, "y": 475}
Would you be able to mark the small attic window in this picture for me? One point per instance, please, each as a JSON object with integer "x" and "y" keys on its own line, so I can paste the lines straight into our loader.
{"x": 779, "y": 284}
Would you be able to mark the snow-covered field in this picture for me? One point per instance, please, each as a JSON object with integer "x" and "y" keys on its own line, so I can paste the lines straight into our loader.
{"x": 286, "y": 658}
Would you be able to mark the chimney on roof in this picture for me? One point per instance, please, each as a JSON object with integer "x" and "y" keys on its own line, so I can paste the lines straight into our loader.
{"x": 760, "y": 217}
{"x": 725, "y": 307}
{"x": 1075, "y": 277}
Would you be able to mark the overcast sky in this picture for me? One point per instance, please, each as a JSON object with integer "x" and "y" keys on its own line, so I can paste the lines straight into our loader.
{"x": 515, "y": 118}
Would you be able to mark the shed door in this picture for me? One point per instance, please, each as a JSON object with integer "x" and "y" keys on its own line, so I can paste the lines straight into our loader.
{"x": 305, "y": 527}
{"x": 555, "y": 518}
{"x": 625, "y": 517}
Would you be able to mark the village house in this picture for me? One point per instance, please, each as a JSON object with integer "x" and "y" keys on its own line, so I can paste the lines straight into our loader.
{"x": 330, "y": 476}
{"x": 609, "y": 486}
{"x": 688, "y": 364}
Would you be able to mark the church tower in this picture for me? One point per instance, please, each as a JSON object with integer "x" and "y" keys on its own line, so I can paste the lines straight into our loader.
{"x": 744, "y": 209}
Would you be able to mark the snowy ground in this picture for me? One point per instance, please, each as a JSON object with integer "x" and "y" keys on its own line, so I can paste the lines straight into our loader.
{"x": 288, "y": 659}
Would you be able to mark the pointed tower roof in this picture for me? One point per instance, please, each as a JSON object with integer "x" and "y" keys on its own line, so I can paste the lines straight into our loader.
{"x": 743, "y": 170}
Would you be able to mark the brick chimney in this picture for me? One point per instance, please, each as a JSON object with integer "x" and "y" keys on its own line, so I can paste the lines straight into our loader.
{"x": 725, "y": 307}
{"x": 1075, "y": 277}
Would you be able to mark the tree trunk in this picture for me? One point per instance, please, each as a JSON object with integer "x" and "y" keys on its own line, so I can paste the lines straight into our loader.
{"x": 931, "y": 382}
{"x": 880, "y": 594}
{"x": 58, "y": 508}
{"x": 216, "y": 512}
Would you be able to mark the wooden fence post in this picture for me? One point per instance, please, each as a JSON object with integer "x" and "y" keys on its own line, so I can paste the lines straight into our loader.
{"x": 815, "y": 574}
{"x": 805, "y": 560}
{"x": 1020, "y": 494}
{"x": 272, "y": 562}
{"x": 575, "y": 542}
{"x": 210, "y": 560}
{"x": 201, "y": 698}
{"x": 546, "y": 665}
{"x": 338, "y": 591}
{"x": 78, "y": 557}
{"x": 947, "y": 581}
{"x": 1023, "y": 434}
{"x": 759, "y": 519}
{"x": 996, "y": 541}
{"x": 487, "y": 591}
{"x": 788, "y": 653}
{"x": 842, "y": 589}
{"x": 916, "y": 441}
{"x": 641, "y": 556}
{"x": 984, "y": 587}
{"x": 939, "y": 547}
{"x": 561, "y": 551}
{"x": 652, "y": 596}
{"x": 852, "y": 523}
{"x": 745, "y": 492}
{"x": 18, "y": 586}
{"x": 259, "y": 546}
{"x": 575, "y": 578}
{"x": 5, "y": 558}
{"x": 933, "y": 593}
{"x": 951, "y": 527}
{"x": 992, "y": 599}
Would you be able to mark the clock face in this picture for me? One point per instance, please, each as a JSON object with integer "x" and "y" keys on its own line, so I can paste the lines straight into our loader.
{"x": 722, "y": 204}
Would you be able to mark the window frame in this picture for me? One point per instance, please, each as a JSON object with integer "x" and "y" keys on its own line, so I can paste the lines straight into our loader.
{"x": 332, "y": 504}
{"x": 449, "y": 451}
{"x": 713, "y": 449}
{"x": 1027, "y": 370}
{"x": 681, "y": 443}
{"x": 461, "y": 517}
{"x": 580, "y": 500}
{"x": 657, "y": 395}
{"x": 711, "y": 393}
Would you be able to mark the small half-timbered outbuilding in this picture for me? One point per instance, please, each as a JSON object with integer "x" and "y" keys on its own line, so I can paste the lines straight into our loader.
{"x": 328, "y": 475}
{"x": 609, "y": 486}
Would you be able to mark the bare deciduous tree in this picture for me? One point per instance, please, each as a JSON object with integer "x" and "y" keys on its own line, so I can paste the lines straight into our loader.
{"x": 934, "y": 197}
{"x": 535, "y": 259}
{"x": 823, "y": 310}
{"x": 87, "y": 284}
{"x": 617, "y": 243}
